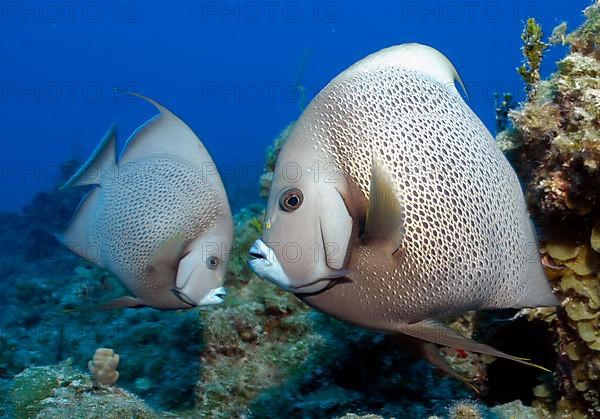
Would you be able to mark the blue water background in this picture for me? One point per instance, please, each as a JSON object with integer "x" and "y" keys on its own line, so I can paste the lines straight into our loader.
{"x": 229, "y": 69}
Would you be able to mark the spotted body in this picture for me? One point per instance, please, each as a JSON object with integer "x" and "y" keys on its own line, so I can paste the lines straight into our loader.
{"x": 467, "y": 242}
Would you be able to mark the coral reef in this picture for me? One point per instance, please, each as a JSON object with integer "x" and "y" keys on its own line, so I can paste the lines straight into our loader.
{"x": 464, "y": 409}
{"x": 248, "y": 227}
{"x": 269, "y": 356}
{"x": 253, "y": 342}
{"x": 553, "y": 143}
{"x": 103, "y": 366}
{"x": 264, "y": 354}
{"x": 554, "y": 140}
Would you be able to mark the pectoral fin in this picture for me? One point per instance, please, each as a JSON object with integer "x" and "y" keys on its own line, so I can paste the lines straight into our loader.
{"x": 440, "y": 334}
{"x": 164, "y": 261}
{"x": 385, "y": 214}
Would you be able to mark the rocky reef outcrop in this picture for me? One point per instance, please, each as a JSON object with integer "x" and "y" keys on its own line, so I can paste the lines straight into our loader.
{"x": 554, "y": 143}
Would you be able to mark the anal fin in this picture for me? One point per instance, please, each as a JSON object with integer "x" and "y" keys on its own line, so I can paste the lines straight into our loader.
{"x": 440, "y": 334}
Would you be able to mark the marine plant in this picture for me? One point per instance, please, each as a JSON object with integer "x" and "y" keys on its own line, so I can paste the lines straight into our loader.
{"x": 533, "y": 51}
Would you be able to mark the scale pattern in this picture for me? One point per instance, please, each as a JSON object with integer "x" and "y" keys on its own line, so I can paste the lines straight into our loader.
{"x": 146, "y": 203}
{"x": 466, "y": 225}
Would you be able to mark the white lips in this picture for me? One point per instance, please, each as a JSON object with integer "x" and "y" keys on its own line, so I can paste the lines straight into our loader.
{"x": 214, "y": 296}
{"x": 266, "y": 265}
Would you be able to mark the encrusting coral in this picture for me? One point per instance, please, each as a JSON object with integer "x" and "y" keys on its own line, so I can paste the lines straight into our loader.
{"x": 103, "y": 366}
{"x": 464, "y": 409}
{"x": 554, "y": 144}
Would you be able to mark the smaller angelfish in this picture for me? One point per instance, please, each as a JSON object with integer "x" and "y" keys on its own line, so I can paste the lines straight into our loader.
{"x": 158, "y": 217}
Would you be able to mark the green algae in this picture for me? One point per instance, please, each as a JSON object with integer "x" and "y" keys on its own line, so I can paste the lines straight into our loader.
{"x": 533, "y": 51}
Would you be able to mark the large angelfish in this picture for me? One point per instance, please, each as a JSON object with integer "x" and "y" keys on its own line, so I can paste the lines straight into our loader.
{"x": 158, "y": 217}
{"x": 392, "y": 206}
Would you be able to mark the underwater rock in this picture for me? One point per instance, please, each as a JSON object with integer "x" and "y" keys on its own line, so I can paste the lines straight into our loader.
{"x": 253, "y": 341}
{"x": 59, "y": 391}
{"x": 516, "y": 410}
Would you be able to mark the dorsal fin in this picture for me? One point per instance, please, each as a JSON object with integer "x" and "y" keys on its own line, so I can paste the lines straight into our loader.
{"x": 102, "y": 159}
{"x": 164, "y": 133}
{"x": 77, "y": 235}
{"x": 162, "y": 269}
{"x": 416, "y": 57}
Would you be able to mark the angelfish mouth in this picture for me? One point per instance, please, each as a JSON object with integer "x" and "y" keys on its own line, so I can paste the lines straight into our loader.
{"x": 265, "y": 264}
{"x": 214, "y": 296}
{"x": 257, "y": 255}
{"x": 260, "y": 250}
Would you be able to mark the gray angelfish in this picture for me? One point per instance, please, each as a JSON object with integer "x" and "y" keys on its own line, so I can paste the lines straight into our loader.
{"x": 392, "y": 207}
{"x": 158, "y": 217}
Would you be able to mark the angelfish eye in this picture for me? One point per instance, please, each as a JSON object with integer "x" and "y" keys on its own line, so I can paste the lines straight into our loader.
{"x": 212, "y": 263}
{"x": 291, "y": 199}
